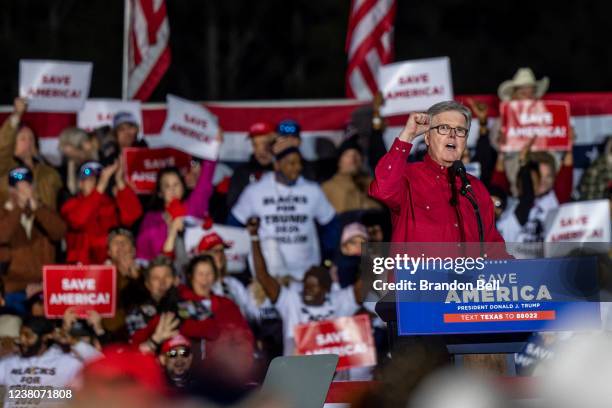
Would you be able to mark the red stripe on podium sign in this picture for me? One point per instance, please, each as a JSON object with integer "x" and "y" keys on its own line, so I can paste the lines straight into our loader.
{"x": 499, "y": 316}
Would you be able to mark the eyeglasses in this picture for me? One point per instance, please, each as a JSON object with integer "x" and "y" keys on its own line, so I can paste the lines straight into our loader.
{"x": 182, "y": 352}
{"x": 446, "y": 129}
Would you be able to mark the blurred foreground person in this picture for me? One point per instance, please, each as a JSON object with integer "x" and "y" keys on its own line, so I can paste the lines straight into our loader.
{"x": 123, "y": 378}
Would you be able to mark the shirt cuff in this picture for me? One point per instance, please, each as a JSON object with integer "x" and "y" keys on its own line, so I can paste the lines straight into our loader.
{"x": 400, "y": 146}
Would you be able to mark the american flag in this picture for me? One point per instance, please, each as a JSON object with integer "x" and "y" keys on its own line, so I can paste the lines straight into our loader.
{"x": 149, "y": 50}
{"x": 369, "y": 44}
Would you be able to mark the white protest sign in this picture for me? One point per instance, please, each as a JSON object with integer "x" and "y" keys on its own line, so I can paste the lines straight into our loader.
{"x": 100, "y": 112}
{"x": 238, "y": 238}
{"x": 415, "y": 85}
{"x": 191, "y": 128}
{"x": 54, "y": 86}
{"x": 579, "y": 222}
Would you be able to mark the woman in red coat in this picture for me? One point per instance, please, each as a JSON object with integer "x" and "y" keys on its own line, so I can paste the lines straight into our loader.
{"x": 205, "y": 316}
{"x": 92, "y": 213}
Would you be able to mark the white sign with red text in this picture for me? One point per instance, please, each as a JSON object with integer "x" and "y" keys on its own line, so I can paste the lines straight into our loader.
{"x": 100, "y": 112}
{"x": 54, "y": 86}
{"x": 238, "y": 238}
{"x": 191, "y": 128}
{"x": 576, "y": 223}
{"x": 415, "y": 85}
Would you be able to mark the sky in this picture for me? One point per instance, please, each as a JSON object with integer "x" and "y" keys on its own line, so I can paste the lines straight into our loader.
{"x": 294, "y": 49}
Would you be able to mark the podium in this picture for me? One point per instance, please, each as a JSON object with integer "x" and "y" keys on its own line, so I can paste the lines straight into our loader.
{"x": 537, "y": 295}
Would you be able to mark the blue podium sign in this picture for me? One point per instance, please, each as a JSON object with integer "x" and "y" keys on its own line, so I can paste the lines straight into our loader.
{"x": 503, "y": 296}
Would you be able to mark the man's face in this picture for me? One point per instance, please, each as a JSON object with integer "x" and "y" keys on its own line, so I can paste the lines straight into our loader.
{"x": 126, "y": 134}
{"x": 159, "y": 281}
{"x": 262, "y": 148}
{"x": 290, "y": 166}
{"x": 120, "y": 247}
{"x": 218, "y": 254}
{"x": 177, "y": 362}
{"x": 523, "y": 92}
{"x": 29, "y": 342}
{"x": 445, "y": 149}
{"x": 350, "y": 162}
{"x": 24, "y": 143}
{"x": 314, "y": 294}
{"x": 547, "y": 179}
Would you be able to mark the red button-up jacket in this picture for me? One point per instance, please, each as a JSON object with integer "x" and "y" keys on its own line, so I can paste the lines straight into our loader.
{"x": 418, "y": 196}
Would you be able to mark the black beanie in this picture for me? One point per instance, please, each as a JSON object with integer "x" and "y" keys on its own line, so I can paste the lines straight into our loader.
{"x": 39, "y": 325}
{"x": 348, "y": 144}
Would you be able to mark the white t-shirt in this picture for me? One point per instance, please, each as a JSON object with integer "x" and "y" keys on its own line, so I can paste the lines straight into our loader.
{"x": 293, "y": 311}
{"x": 54, "y": 369}
{"x": 234, "y": 290}
{"x": 288, "y": 214}
{"x": 533, "y": 230}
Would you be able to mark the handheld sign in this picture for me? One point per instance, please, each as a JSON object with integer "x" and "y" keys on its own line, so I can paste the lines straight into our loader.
{"x": 100, "y": 112}
{"x": 142, "y": 166}
{"x": 237, "y": 238}
{"x": 547, "y": 121}
{"x": 576, "y": 223}
{"x": 83, "y": 287}
{"x": 54, "y": 86}
{"x": 415, "y": 85}
{"x": 191, "y": 128}
{"x": 348, "y": 337}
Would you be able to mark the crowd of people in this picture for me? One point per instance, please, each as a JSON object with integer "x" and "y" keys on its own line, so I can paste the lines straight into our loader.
{"x": 181, "y": 312}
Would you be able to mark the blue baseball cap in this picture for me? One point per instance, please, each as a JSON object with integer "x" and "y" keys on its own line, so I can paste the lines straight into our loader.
{"x": 288, "y": 127}
{"x": 18, "y": 174}
{"x": 124, "y": 117}
{"x": 90, "y": 169}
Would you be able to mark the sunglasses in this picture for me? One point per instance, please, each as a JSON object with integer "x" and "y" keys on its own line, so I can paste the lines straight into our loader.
{"x": 174, "y": 353}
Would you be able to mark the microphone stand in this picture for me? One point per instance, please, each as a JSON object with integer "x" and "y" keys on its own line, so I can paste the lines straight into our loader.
{"x": 470, "y": 197}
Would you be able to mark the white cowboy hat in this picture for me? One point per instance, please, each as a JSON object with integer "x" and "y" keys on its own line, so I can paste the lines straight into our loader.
{"x": 523, "y": 77}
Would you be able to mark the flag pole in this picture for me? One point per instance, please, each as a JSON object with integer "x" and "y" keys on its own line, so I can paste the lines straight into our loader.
{"x": 127, "y": 11}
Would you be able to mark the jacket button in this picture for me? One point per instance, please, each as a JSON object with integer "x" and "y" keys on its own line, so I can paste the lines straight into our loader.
{"x": 389, "y": 167}
{"x": 427, "y": 207}
{"x": 457, "y": 226}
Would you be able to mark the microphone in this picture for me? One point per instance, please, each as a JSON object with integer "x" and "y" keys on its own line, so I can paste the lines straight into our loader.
{"x": 459, "y": 170}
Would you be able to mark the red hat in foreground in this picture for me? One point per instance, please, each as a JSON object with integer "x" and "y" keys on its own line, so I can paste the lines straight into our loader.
{"x": 210, "y": 241}
{"x": 260, "y": 129}
{"x": 176, "y": 341}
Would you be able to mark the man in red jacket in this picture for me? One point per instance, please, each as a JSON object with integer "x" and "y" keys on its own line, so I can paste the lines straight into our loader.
{"x": 419, "y": 195}
{"x": 93, "y": 213}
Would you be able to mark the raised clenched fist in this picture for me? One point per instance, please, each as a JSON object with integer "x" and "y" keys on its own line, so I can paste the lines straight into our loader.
{"x": 417, "y": 124}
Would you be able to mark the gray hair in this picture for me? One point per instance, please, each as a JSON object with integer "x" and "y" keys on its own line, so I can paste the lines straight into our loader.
{"x": 72, "y": 136}
{"x": 447, "y": 106}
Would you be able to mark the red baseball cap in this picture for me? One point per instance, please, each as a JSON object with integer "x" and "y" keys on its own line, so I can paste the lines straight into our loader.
{"x": 210, "y": 241}
{"x": 176, "y": 341}
{"x": 260, "y": 129}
